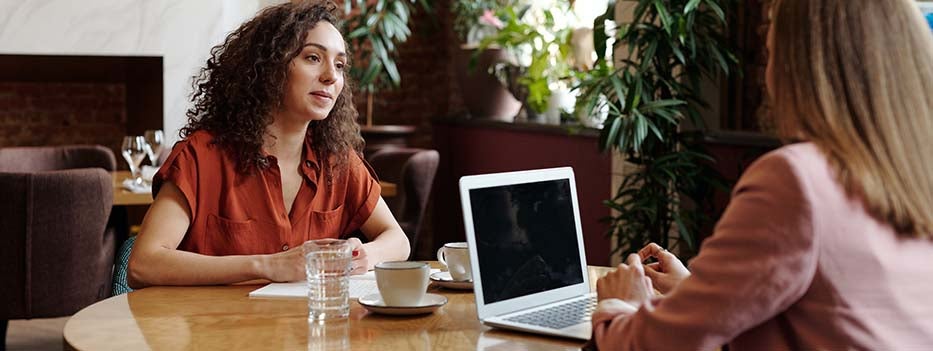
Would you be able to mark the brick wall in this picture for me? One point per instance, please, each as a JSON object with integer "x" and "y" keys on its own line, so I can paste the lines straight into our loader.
{"x": 48, "y": 100}
{"x": 429, "y": 87}
{"x": 48, "y": 113}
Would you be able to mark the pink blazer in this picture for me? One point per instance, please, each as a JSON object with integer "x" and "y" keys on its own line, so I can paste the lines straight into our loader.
{"x": 794, "y": 264}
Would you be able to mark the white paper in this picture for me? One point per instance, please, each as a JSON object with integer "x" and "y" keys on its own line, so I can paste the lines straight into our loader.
{"x": 130, "y": 185}
{"x": 360, "y": 285}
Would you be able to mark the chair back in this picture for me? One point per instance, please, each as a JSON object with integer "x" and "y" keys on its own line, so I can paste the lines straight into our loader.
{"x": 50, "y": 158}
{"x": 58, "y": 249}
{"x": 413, "y": 171}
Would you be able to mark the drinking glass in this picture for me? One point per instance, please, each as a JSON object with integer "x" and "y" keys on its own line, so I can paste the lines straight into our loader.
{"x": 134, "y": 150}
{"x": 333, "y": 335}
{"x": 156, "y": 140}
{"x": 327, "y": 265}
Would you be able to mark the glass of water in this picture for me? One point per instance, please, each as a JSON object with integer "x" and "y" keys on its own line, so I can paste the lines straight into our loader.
{"x": 327, "y": 265}
{"x": 134, "y": 150}
{"x": 156, "y": 140}
{"x": 332, "y": 335}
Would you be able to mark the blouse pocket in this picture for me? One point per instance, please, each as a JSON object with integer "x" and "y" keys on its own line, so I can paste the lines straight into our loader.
{"x": 228, "y": 227}
{"x": 327, "y": 216}
{"x": 326, "y": 224}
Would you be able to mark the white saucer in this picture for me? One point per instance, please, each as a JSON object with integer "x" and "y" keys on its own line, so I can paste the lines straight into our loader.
{"x": 430, "y": 303}
{"x": 445, "y": 280}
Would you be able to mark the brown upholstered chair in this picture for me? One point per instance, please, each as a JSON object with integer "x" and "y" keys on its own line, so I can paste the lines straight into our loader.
{"x": 413, "y": 171}
{"x": 57, "y": 251}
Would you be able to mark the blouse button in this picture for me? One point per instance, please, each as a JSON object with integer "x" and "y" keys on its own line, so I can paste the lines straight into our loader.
{"x": 285, "y": 247}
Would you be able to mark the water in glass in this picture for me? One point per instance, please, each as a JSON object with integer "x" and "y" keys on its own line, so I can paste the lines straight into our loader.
{"x": 327, "y": 265}
{"x": 134, "y": 151}
{"x": 156, "y": 140}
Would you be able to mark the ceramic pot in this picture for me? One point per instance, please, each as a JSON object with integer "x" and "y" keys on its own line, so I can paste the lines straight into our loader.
{"x": 483, "y": 95}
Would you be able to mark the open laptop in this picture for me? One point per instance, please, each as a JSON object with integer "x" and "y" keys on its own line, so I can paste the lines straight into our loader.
{"x": 526, "y": 252}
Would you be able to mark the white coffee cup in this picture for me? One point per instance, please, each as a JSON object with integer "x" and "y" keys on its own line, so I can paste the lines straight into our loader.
{"x": 456, "y": 256}
{"x": 402, "y": 283}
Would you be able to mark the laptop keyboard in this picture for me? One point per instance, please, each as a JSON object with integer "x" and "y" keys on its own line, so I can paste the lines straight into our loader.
{"x": 559, "y": 316}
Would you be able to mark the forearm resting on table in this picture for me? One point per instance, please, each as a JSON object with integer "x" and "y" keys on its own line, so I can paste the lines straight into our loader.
{"x": 164, "y": 266}
{"x": 391, "y": 245}
{"x": 387, "y": 240}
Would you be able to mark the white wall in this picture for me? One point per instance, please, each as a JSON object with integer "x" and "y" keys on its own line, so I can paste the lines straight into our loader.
{"x": 181, "y": 31}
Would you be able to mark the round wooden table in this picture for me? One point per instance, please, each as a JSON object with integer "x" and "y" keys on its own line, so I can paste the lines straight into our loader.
{"x": 224, "y": 317}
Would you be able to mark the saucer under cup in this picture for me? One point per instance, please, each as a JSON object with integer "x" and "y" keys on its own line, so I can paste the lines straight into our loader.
{"x": 444, "y": 280}
{"x": 429, "y": 304}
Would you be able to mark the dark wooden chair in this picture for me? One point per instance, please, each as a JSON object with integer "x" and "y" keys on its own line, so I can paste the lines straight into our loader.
{"x": 413, "y": 171}
{"x": 58, "y": 249}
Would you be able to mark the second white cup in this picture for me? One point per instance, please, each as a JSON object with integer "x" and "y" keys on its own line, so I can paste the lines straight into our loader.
{"x": 402, "y": 283}
{"x": 456, "y": 256}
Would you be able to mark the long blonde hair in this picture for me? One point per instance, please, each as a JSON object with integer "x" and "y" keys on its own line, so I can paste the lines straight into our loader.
{"x": 856, "y": 78}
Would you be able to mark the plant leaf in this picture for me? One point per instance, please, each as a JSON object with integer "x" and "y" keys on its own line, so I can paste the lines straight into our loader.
{"x": 359, "y": 32}
{"x": 613, "y": 131}
{"x": 392, "y": 70}
{"x": 665, "y": 16}
{"x": 717, "y": 9}
{"x": 692, "y": 5}
{"x": 679, "y": 54}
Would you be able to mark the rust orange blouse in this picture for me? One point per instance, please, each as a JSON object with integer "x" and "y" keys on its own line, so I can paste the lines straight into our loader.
{"x": 244, "y": 214}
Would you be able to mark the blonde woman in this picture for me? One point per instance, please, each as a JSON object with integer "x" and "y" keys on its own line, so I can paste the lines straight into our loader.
{"x": 826, "y": 243}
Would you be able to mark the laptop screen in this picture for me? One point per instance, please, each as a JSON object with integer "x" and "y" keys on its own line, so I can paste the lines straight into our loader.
{"x": 526, "y": 238}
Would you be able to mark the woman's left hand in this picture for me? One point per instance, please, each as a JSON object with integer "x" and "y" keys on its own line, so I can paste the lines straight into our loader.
{"x": 360, "y": 263}
{"x": 627, "y": 283}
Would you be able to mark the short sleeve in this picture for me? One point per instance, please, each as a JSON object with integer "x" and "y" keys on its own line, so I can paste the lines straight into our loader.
{"x": 363, "y": 192}
{"x": 181, "y": 169}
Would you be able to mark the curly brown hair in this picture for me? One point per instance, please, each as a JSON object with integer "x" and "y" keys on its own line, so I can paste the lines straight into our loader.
{"x": 244, "y": 82}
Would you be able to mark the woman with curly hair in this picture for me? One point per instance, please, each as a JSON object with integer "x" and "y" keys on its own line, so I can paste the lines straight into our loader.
{"x": 270, "y": 159}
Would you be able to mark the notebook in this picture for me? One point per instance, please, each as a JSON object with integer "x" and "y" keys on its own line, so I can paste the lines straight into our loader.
{"x": 527, "y": 253}
{"x": 360, "y": 285}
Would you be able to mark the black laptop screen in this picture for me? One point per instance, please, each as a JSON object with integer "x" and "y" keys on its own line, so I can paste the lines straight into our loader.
{"x": 526, "y": 238}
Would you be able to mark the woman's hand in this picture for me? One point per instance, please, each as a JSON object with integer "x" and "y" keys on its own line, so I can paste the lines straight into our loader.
{"x": 667, "y": 272}
{"x": 285, "y": 266}
{"x": 360, "y": 263}
{"x": 627, "y": 283}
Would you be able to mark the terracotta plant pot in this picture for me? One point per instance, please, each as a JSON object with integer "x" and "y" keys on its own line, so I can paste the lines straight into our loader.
{"x": 483, "y": 95}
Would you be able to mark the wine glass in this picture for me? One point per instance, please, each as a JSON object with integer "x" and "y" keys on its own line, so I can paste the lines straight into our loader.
{"x": 156, "y": 140}
{"x": 134, "y": 151}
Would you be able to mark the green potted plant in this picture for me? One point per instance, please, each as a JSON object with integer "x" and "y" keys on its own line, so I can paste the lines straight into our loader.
{"x": 474, "y": 20}
{"x": 375, "y": 30}
{"x": 484, "y": 96}
{"x": 538, "y": 48}
{"x": 669, "y": 47}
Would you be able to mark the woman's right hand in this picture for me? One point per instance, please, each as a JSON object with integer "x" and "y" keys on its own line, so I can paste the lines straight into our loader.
{"x": 667, "y": 272}
{"x": 285, "y": 266}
